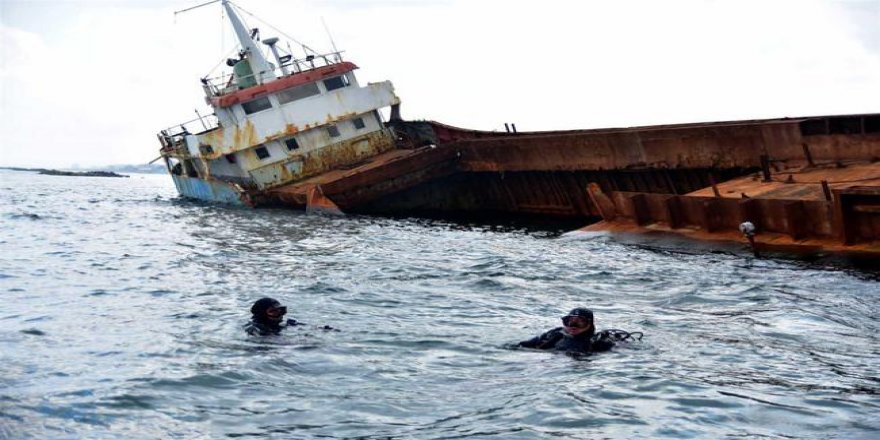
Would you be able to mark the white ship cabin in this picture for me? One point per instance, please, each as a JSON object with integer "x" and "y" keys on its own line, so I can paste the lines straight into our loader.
{"x": 276, "y": 123}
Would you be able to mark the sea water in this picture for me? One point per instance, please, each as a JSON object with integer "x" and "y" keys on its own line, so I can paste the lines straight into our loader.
{"x": 122, "y": 312}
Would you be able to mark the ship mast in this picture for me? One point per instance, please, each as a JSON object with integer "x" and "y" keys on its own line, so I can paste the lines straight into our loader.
{"x": 262, "y": 69}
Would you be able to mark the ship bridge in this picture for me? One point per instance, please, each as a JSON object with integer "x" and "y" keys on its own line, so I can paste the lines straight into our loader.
{"x": 274, "y": 123}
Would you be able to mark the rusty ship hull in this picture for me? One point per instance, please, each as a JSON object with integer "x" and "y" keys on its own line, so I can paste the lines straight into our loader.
{"x": 300, "y": 131}
{"x": 809, "y": 184}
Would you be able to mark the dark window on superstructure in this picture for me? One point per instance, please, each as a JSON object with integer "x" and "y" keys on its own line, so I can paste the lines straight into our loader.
{"x": 358, "y": 123}
{"x": 256, "y": 105}
{"x": 336, "y": 82}
{"x": 812, "y": 127}
{"x": 292, "y": 144}
{"x": 230, "y": 158}
{"x": 872, "y": 124}
{"x": 206, "y": 149}
{"x": 261, "y": 152}
{"x": 299, "y": 92}
{"x": 333, "y": 131}
{"x": 190, "y": 168}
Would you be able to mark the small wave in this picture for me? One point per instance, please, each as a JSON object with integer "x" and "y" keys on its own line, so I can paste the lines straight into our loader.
{"x": 33, "y": 331}
{"x": 160, "y": 292}
{"x": 25, "y": 216}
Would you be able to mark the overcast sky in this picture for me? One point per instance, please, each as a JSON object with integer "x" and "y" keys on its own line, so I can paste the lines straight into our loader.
{"x": 91, "y": 82}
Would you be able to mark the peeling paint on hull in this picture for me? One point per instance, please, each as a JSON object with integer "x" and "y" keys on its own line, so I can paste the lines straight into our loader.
{"x": 209, "y": 191}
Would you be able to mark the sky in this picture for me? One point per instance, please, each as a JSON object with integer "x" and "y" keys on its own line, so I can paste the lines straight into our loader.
{"x": 90, "y": 82}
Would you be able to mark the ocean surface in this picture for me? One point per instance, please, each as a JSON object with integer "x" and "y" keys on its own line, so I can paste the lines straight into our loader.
{"x": 122, "y": 311}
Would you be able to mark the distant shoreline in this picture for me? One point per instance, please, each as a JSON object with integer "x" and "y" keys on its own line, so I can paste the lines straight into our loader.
{"x": 83, "y": 171}
{"x": 50, "y": 172}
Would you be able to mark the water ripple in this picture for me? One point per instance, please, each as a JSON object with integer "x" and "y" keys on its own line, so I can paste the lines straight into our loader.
{"x": 124, "y": 304}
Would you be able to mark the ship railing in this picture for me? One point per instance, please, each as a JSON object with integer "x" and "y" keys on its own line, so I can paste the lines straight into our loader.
{"x": 225, "y": 83}
{"x": 174, "y": 135}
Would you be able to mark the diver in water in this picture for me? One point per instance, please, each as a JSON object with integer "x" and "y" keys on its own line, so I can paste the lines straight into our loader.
{"x": 578, "y": 335}
{"x": 267, "y": 318}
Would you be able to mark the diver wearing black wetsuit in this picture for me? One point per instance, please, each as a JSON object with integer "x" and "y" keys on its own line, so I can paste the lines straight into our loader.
{"x": 267, "y": 318}
{"x": 577, "y": 336}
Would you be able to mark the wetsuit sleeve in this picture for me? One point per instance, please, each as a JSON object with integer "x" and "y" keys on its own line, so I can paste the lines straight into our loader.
{"x": 601, "y": 342}
{"x": 251, "y": 330}
{"x": 544, "y": 341}
{"x": 254, "y": 329}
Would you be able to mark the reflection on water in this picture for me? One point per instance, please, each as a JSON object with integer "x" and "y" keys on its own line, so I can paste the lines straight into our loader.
{"x": 122, "y": 312}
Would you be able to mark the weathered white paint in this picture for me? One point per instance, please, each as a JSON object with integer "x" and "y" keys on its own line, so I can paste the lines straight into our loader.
{"x": 306, "y": 120}
{"x": 302, "y": 115}
{"x": 317, "y": 137}
{"x": 222, "y": 167}
{"x": 192, "y": 145}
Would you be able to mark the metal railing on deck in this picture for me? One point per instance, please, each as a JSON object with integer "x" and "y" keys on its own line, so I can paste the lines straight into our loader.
{"x": 174, "y": 135}
{"x": 226, "y": 82}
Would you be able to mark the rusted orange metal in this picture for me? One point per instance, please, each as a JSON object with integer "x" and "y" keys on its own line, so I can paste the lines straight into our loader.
{"x": 642, "y": 178}
{"x": 385, "y": 174}
{"x": 787, "y": 213}
{"x": 723, "y": 145}
{"x": 317, "y": 202}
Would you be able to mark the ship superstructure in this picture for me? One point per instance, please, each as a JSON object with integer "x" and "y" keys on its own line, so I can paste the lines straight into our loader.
{"x": 275, "y": 123}
{"x": 303, "y": 133}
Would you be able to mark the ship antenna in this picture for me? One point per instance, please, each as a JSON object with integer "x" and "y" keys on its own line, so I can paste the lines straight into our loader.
{"x": 305, "y": 48}
{"x": 332, "y": 43}
{"x": 195, "y": 7}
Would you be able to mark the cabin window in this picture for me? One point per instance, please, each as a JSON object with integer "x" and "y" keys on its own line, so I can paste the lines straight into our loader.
{"x": 206, "y": 149}
{"x": 334, "y": 83}
{"x": 333, "y": 131}
{"x": 230, "y": 158}
{"x": 262, "y": 152}
{"x": 174, "y": 166}
{"x": 256, "y": 105}
{"x": 358, "y": 123}
{"x": 190, "y": 168}
{"x": 292, "y": 144}
{"x": 299, "y": 92}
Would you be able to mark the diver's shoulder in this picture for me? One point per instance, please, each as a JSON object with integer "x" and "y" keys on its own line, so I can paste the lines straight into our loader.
{"x": 554, "y": 333}
{"x": 256, "y": 329}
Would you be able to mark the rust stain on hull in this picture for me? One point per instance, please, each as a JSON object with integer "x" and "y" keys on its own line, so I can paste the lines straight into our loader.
{"x": 697, "y": 180}
{"x": 766, "y": 242}
{"x": 824, "y": 209}
{"x": 242, "y": 138}
{"x": 381, "y": 175}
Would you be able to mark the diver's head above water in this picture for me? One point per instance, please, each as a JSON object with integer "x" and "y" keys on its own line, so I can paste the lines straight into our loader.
{"x": 579, "y": 321}
{"x": 268, "y": 310}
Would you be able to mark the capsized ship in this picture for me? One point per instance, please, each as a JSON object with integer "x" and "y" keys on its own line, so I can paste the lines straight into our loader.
{"x": 275, "y": 123}
{"x": 303, "y": 133}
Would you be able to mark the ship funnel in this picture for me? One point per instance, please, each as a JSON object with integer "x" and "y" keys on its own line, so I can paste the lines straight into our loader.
{"x": 271, "y": 43}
